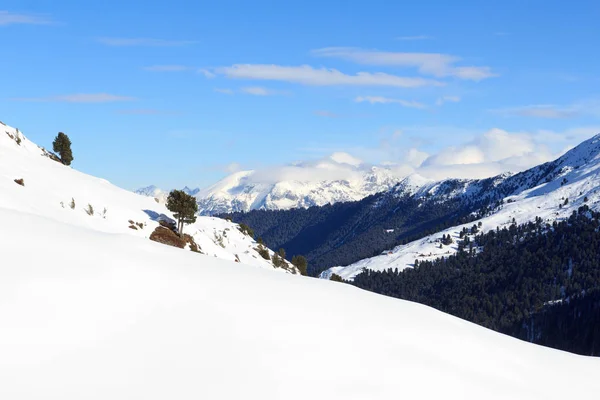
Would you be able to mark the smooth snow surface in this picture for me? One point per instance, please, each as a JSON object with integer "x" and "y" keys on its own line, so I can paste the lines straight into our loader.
{"x": 92, "y": 315}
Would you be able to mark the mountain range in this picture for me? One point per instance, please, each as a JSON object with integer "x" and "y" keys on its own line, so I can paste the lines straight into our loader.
{"x": 349, "y": 234}
{"x": 338, "y": 178}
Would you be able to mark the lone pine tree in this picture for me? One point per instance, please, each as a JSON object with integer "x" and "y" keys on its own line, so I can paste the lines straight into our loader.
{"x": 184, "y": 208}
{"x": 62, "y": 146}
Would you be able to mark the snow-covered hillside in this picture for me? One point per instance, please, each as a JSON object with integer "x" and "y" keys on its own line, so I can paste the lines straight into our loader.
{"x": 58, "y": 192}
{"x": 86, "y": 314}
{"x": 551, "y": 191}
{"x": 339, "y": 178}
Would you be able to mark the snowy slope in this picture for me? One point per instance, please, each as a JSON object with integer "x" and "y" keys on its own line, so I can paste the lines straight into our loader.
{"x": 96, "y": 315}
{"x": 337, "y": 179}
{"x": 540, "y": 191}
{"x": 50, "y": 187}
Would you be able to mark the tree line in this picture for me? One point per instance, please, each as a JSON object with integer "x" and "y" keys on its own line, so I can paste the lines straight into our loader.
{"x": 537, "y": 281}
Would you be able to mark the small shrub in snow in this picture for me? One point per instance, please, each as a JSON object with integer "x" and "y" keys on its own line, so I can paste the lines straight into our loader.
{"x": 336, "y": 278}
{"x": 263, "y": 252}
{"x": 20, "y": 181}
{"x": 189, "y": 239}
{"x": 72, "y": 205}
{"x": 300, "y": 263}
{"x": 89, "y": 210}
{"x": 133, "y": 227}
{"x": 246, "y": 230}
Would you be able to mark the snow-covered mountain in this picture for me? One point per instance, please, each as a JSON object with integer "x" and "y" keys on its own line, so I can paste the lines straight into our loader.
{"x": 551, "y": 191}
{"x": 54, "y": 191}
{"x": 160, "y": 194}
{"x": 153, "y": 191}
{"x": 339, "y": 178}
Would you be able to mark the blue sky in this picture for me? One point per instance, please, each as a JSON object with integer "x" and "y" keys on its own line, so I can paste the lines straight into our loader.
{"x": 181, "y": 92}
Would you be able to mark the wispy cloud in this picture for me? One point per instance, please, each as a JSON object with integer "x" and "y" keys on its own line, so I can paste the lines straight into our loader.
{"x": 447, "y": 99}
{"x": 206, "y": 73}
{"x": 307, "y": 75}
{"x": 11, "y": 18}
{"x": 224, "y": 91}
{"x": 435, "y": 64}
{"x": 260, "y": 91}
{"x": 545, "y": 111}
{"x": 179, "y": 68}
{"x": 80, "y": 98}
{"x": 411, "y": 38}
{"x": 148, "y": 42}
{"x": 387, "y": 100}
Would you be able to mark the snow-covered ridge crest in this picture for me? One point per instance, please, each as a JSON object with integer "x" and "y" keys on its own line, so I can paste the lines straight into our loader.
{"x": 551, "y": 191}
{"x": 339, "y": 178}
{"x": 55, "y": 191}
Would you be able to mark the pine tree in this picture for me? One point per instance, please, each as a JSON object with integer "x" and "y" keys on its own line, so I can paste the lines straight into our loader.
{"x": 184, "y": 208}
{"x": 300, "y": 263}
{"x": 62, "y": 146}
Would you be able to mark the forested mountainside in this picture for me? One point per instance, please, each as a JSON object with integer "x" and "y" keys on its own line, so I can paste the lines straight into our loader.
{"x": 538, "y": 282}
{"x": 341, "y": 234}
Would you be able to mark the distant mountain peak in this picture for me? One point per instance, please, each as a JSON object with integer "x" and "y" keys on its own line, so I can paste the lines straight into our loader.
{"x": 339, "y": 178}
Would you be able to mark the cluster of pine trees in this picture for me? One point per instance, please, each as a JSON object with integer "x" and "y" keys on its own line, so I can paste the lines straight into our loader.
{"x": 536, "y": 281}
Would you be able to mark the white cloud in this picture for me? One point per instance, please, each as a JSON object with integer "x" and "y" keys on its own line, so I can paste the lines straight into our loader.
{"x": 387, "y": 100}
{"x": 416, "y": 37}
{"x": 447, "y": 99}
{"x": 436, "y": 64}
{"x": 232, "y": 167}
{"x": 223, "y": 91}
{"x": 549, "y": 111}
{"x": 148, "y": 42}
{"x": 307, "y": 75}
{"x": 541, "y": 111}
{"x": 10, "y": 18}
{"x": 337, "y": 166}
{"x": 206, "y": 73}
{"x": 492, "y": 153}
{"x": 259, "y": 91}
{"x": 489, "y": 154}
{"x": 81, "y": 98}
